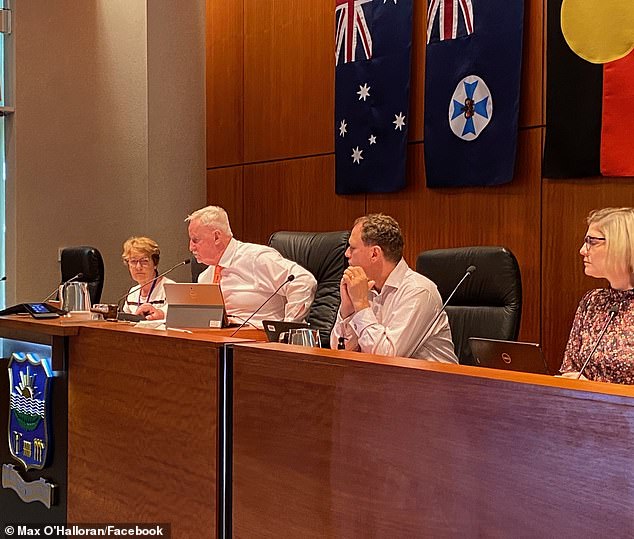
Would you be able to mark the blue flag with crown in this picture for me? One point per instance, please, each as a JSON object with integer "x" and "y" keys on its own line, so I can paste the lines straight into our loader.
{"x": 472, "y": 87}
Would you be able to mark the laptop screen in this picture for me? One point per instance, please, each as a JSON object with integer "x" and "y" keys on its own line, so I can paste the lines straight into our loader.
{"x": 508, "y": 355}
{"x": 194, "y": 305}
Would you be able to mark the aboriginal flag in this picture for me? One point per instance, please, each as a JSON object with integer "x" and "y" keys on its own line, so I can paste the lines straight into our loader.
{"x": 588, "y": 108}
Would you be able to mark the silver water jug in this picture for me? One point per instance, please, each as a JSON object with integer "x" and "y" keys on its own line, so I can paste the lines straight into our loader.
{"x": 74, "y": 297}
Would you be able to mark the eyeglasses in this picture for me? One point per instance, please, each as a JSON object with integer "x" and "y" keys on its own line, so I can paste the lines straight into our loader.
{"x": 591, "y": 241}
{"x": 145, "y": 261}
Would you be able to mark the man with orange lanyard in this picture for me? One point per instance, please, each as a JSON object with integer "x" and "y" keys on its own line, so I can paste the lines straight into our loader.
{"x": 248, "y": 273}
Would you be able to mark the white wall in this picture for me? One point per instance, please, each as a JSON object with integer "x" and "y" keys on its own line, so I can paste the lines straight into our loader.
{"x": 108, "y": 138}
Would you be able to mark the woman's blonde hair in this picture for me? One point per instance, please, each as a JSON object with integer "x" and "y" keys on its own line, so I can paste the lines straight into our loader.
{"x": 144, "y": 245}
{"x": 617, "y": 226}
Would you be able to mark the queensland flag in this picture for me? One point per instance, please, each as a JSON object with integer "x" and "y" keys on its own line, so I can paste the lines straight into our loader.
{"x": 472, "y": 88}
{"x": 373, "y": 40}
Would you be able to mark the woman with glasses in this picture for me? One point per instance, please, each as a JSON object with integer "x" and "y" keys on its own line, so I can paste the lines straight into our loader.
{"x": 147, "y": 298}
{"x": 605, "y": 315}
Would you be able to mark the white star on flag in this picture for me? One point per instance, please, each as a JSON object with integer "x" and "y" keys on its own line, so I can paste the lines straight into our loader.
{"x": 399, "y": 121}
{"x": 356, "y": 155}
{"x": 372, "y": 139}
{"x": 364, "y": 92}
{"x": 342, "y": 128}
{"x": 386, "y": 1}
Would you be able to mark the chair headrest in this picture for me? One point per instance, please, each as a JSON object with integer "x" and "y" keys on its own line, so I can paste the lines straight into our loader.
{"x": 83, "y": 259}
{"x": 495, "y": 282}
{"x": 321, "y": 253}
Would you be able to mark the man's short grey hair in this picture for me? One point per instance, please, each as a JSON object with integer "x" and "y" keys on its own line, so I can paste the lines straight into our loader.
{"x": 213, "y": 217}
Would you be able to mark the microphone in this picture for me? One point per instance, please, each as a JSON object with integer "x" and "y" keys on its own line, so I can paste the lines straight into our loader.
{"x": 80, "y": 275}
{"x": 468, "y": 273}
{"x": 613, "y": 312}
{"x": 139, "y": 286}
{"x": 290, "y": 278}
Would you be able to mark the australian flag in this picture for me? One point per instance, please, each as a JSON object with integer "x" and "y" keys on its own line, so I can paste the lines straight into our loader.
{"x": 472, "y": 86}
{"x": 373, "y": 40}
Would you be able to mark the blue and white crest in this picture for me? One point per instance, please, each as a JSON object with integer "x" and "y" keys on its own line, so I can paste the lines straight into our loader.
{"x": 29, "y": 426}
{"x": 471, "y": 108}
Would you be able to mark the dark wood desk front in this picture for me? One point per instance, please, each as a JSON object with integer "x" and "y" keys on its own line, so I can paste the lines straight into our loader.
{"x": 142, "y": 422}
{"x": 329, "y": 444}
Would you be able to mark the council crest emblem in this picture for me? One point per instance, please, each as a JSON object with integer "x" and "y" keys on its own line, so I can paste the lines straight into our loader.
{"x": 471, "y": 108}
{"x": 29, "y": 426}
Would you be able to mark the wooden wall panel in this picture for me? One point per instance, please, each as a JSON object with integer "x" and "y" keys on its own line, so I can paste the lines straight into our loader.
{"x": 225, "y": 188}
{"x": 566, "y": 206}
{"x": 224, "y": 79}
{"x": 417, "y": 79}
{"x": 296, "y": 195}
{"x": 288, "y": 78}
{"x": 532, "y": 89}
{"x": 507, "y": 215}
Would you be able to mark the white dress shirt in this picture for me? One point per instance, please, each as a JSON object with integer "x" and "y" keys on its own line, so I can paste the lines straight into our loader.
{"x": 397, "y": 318}
{"x": 157, "y": 297}
{"x": 251, "y": 273}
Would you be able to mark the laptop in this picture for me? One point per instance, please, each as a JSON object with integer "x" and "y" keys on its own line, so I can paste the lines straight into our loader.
{"x": 273, "y": 328}
{"x": 508, "y": 355}
{"x": 194, "y": 305}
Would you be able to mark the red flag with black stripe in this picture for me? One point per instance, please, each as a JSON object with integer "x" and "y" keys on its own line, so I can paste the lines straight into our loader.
{"x": 617, "y": 157}
{"x": 588, "y": 110}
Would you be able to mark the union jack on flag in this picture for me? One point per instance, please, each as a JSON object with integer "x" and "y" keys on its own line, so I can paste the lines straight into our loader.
{"x": 449, "y": 19}
{"x": 352, "y": 29}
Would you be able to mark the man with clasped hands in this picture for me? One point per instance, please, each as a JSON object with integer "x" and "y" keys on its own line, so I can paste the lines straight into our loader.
{"x": 386, "y": 307}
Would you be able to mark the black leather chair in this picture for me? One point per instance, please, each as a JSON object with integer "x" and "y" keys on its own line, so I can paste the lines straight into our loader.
{"x": 197, "y": 269}
{"x": 489, "y": 302}
{"x": 86, "y": 260}
{"x": 321, "y": 253}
